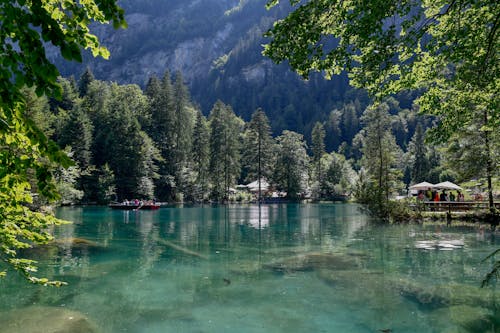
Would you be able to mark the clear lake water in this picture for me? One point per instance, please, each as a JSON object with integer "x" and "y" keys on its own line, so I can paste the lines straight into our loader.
{"x": 249, "y": 268}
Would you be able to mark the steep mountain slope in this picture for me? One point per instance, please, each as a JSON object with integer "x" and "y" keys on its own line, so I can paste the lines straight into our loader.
{"x": 217, "y": 46}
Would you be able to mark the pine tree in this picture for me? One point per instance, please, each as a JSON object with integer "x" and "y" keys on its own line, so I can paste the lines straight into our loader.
{"x": 148, "y": 166}
{"x": 161, "y": 130}
{"x": 182, "y": 129}
{"x": 224, "y": 149}
{"x": 153, "y": 87}
{"x": 96, "y": 105}
{"x": 258, "y": 149}
{"x": 85, "y": 80}
{"x": 379, "y": 157}
{"x": 318, "y": 145}
{"x": 122, "y": 144}
{"x": 318, "y": 150}
{"x": 290, "y": 172}
{"x": 69, "y": 96}
{"x": 333, "y": 134}
{"x": 76, "y": 132}
{"x": 420, "y": 166}
{"x": 37, "y": 109}
{"x": 350, "y": 122}
{"x": 201, "y": 156}
{"x": 161, "y": 110}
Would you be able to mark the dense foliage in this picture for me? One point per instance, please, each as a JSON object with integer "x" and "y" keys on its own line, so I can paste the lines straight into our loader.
{"x": 126, "y": 144}
{"x": 27, "y": 157}
{"x": 129, "y": 143}
{"x": 447, "y": 50}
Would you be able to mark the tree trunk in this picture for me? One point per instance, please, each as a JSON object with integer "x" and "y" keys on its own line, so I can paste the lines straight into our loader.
{"x": 489, "y": 165}
{"x": 259, "y": 173}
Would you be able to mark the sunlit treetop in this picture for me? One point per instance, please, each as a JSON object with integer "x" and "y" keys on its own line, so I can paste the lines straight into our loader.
{"x": 446, "y": 48}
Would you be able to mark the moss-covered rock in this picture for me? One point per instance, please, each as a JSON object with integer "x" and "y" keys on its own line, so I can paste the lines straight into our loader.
{"x": 446, "y": 294}
{"x": 471, "y": 308}
{"x": 466, "y": 318}
{"x": 368, "y": 287}
{"x": 88, "y": 271}
{"x": 62, "y": 247}
{"x": 36, "y": 319}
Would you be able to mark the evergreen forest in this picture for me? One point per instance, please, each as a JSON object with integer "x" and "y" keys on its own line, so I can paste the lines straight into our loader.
{"x": 155, "y": 143}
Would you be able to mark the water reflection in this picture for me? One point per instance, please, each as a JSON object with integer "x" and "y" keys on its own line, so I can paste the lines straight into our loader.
{"x": 258, "y": 216}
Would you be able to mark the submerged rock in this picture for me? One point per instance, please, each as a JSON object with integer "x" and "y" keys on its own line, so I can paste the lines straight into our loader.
{"x": 245, "y": 268}
{"x": 467, "y": 319}
{"x": 63, "y": 246}
{"x": 452, "y": 294}
{"x": 36, "y": 319}
{"x": 353, "y": 278}
{"x": 313, "y": 261}
{"x": 448, "y": 300}
{"x": 78, "y": 244}
{"x": 363, "y": 286}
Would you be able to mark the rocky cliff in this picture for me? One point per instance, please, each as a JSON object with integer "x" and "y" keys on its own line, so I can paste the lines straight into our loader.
{"x": 217, "y": 46}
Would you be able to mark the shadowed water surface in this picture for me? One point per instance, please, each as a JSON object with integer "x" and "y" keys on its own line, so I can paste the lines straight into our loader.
{"x": 244, "y": 268}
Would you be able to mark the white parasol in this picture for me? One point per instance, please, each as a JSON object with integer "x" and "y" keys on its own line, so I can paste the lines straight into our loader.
{"x": 421, "y": 186}
{"x": 447, "y": 186}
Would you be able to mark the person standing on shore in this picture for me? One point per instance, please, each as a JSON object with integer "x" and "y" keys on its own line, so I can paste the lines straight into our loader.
{"x": 428, "y": 194}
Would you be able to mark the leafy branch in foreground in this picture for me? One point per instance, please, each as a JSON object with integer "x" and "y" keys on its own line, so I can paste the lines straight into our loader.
{"x": 26, "y": 155}
{"x": 22, "y": 161}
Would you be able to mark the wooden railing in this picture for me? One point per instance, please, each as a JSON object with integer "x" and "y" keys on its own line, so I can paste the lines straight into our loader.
{"x": 455, "y": 205}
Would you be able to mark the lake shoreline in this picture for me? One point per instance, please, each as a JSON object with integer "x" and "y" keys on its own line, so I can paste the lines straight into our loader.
{"x": 473, "y": 218}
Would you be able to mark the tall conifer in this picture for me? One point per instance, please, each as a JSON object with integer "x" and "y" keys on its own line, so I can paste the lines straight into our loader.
{"x": 161, "y": 130}
{"x": 420, "y": 166}
{"x": 379, "y": 156}
{"x": 201, "y": 156}
{"x": 85, "y": 80}
{"x": 258, "y": 149}
{"x": 182, "y": 129}
{"x": 318, "y": 146}
{"x": 224, "y": 149}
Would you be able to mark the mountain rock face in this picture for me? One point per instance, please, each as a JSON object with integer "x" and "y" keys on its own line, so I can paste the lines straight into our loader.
{"x": 217, "y": 46}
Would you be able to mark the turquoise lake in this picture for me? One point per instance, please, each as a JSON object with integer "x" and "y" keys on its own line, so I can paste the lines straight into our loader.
{"x": 249, "y": 268}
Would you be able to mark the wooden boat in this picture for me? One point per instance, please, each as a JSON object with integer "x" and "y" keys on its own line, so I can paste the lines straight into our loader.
{"x": 146, "y": 206}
